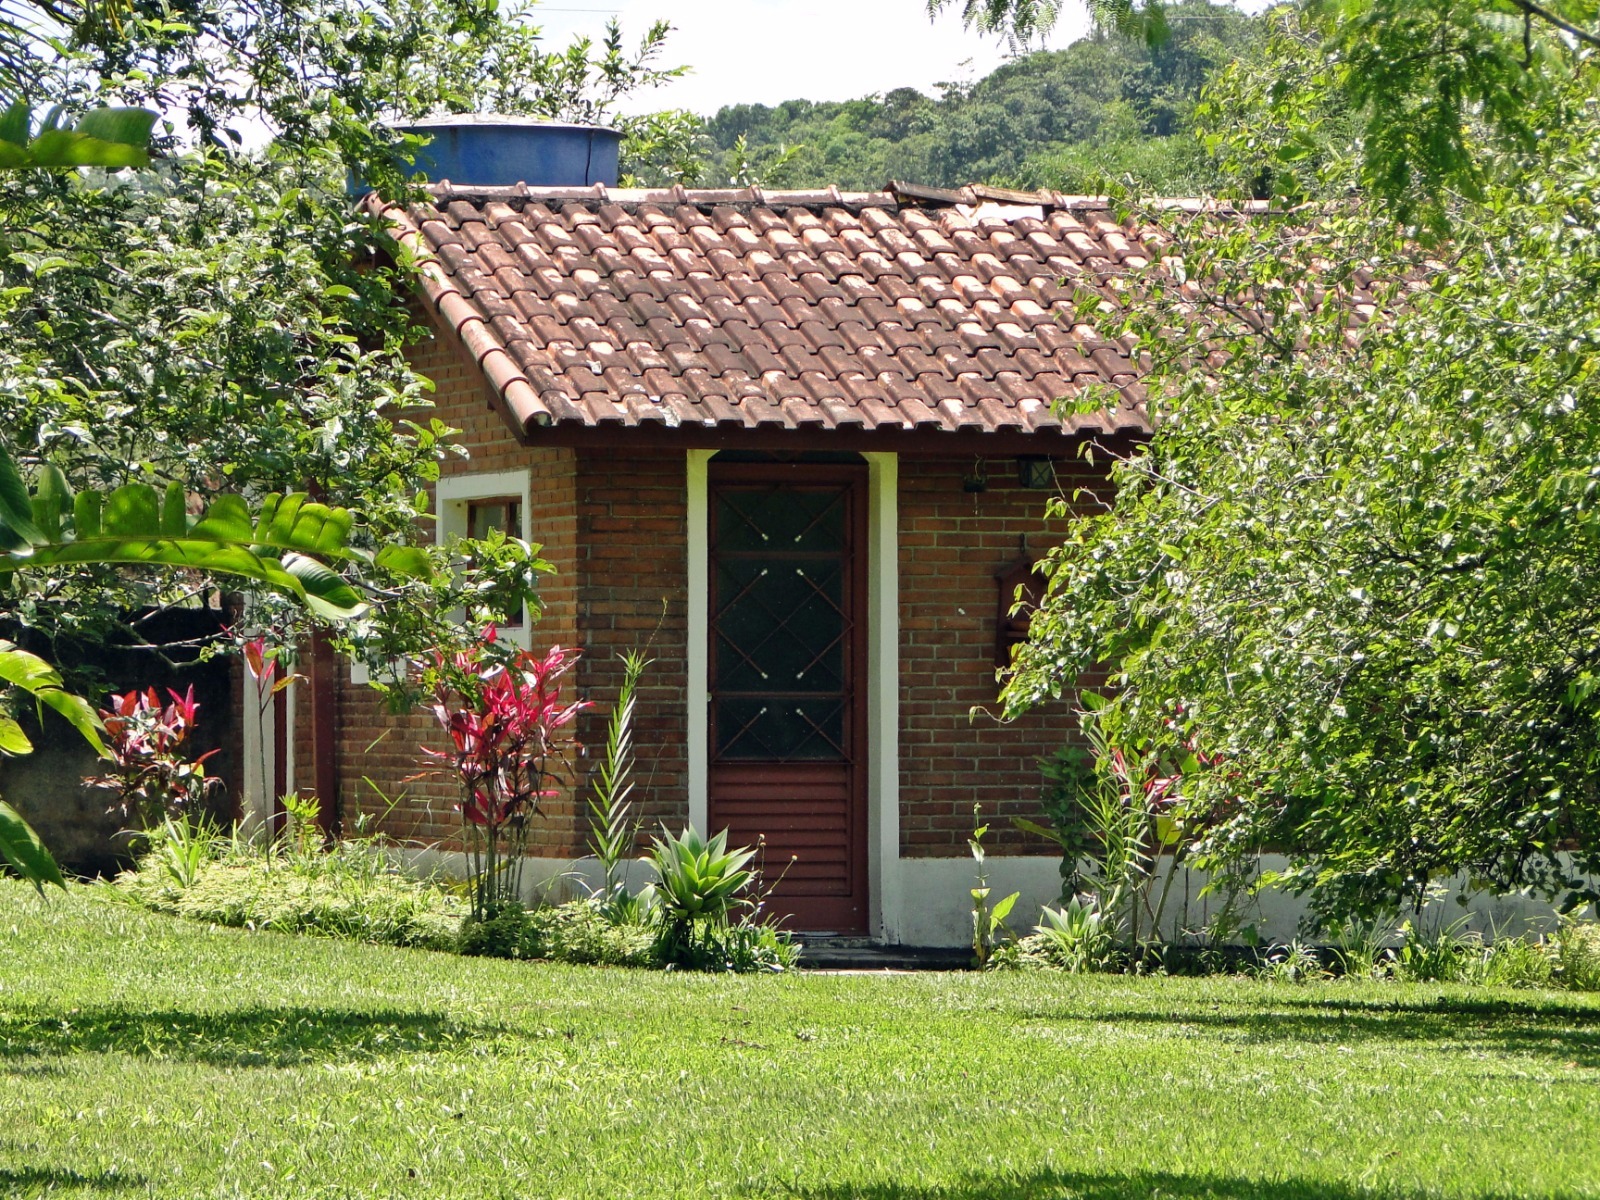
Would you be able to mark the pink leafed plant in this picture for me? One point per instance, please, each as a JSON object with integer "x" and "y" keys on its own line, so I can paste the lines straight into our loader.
{"x": 150, "y": 775}
{"x": 505, "y": 716}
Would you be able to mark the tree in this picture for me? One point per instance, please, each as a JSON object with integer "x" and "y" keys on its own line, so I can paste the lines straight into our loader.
{"x": 1121, "y": 106}
{"x": 1444, "y": 92}
{"x": 224, "y": 322}
{"x": 1356, "y": 562}
{"x": 284, "y": 546}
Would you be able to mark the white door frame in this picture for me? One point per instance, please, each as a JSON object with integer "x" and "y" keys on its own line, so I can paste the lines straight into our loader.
{"x": 883, "y": 674}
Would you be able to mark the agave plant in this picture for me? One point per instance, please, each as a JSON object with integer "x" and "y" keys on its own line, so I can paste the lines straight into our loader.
{"x": 700, "y": 880}
{"x": 1078, "y": 936}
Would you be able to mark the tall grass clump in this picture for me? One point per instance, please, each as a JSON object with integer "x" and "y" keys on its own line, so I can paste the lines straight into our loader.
{"x": 358, "y": 889}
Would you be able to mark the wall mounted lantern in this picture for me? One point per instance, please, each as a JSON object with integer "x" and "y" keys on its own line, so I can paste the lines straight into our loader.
{"x": 1035, "y": 472}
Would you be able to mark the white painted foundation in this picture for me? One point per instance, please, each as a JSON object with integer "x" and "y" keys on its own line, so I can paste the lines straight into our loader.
{"x": 937, "y": 903}
{"x": 935, "y": 900}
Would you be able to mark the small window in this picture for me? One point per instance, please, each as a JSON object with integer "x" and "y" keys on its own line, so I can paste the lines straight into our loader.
{"x": 477, "y": 505}
{"x": 502, "y": 512}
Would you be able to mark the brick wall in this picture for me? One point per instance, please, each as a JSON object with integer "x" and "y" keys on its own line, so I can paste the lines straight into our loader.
{"x": 632, "y": 593}
{"x": 952, "y": 543}
{"x": 378, "y": 749}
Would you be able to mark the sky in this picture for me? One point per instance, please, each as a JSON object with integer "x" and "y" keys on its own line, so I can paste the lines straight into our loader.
{"x": 768, "y": 51}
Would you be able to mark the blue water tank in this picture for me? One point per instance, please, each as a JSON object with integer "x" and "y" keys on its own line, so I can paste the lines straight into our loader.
{"x": 485, "y": 150}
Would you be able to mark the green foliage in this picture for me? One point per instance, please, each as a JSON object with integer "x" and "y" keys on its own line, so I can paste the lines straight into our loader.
{"x": 1274, "y": 122}
{"x": 707, "y": 907}
{"x": 989, "y": 931}
{"x": 1516, "y": 962}
{"x": 1433, "y": 99}
{"x": 1294, "y": 963}
{"x": 222, "y": 321}
{"x": 183, "y": 846}
{"x": 32, "y": 676}
{"x": 699, "y": 880}
{"x": 1075, "y": 938}
{"x": 1577, "y": 955}
{"x": 25, "y": 853}
{"x": 579, "y": 931}
{"x": 102, "y": 137}
{"x": 357, "y": 891}
{"x": 612, "y": 829}
{"x": 279, "y": 545}
{"x": 1437, "y": 953}
{"x": 738, "y": 949}
{"x": 1360, "y": 565}
{"x": 1069, "y": 776}
{"x": 1107, "y": 110}
{"x": 20, "y": 671}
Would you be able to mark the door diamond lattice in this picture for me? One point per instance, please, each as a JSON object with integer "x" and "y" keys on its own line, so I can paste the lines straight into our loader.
{"x": 782, "y": 629}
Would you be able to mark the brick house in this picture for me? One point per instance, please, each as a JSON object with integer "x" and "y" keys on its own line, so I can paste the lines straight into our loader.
{"x": 802, "y": 442}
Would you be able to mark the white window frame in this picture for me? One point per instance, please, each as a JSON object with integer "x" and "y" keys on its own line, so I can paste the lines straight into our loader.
{"x": 455, "y": 494}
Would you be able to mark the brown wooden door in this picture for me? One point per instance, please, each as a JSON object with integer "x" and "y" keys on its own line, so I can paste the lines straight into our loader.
{"x": 787, "y": 688}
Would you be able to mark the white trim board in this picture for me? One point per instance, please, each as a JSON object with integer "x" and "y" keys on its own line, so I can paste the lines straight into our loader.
{"x": 697, "y": 656}
{"x": 883, "y": 695}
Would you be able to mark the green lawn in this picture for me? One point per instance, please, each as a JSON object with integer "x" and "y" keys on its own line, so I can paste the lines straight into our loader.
{"x": 141, "y": 1055}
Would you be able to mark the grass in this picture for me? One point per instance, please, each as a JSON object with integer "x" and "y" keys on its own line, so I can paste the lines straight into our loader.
{"x": 146, "y": 1056}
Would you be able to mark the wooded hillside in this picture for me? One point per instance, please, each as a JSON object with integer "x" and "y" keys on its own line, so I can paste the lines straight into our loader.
{"x": 1105, "y": 107}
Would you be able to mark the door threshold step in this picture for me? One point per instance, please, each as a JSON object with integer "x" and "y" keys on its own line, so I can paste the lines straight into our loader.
{"x": 862, "y": 955}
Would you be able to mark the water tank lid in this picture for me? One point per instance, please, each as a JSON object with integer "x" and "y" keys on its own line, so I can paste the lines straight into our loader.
{"x": 455, "y": 120}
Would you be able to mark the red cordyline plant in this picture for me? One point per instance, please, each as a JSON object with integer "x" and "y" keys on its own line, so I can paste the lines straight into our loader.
{"x": 503, "y": 711}
{"x": 152, "y": 779}
{"x": 1138, "y": 815}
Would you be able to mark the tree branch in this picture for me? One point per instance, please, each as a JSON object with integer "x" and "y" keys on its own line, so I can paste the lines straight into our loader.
{"x": 1532, "y": 9}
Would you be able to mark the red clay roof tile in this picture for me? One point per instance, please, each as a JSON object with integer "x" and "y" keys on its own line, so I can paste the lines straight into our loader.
{"x": 752, "y": 309}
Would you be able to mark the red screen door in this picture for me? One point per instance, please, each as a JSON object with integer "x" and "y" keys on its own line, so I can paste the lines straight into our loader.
{"x": 787, "y": 663}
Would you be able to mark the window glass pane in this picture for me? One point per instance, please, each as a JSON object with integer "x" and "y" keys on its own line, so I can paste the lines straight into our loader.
{"x": 779, "y": 519}
{"x": 502, "y": 514}
{"x": 780, "y": 625}
{"x": 780, "y": 729}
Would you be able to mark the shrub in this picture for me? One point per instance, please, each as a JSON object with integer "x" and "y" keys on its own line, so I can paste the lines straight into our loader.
{"x": 708, "y": 907}
{"x": 354, "y": 891}
{"x": 1577, "y": 955}
{"x": 739, "y": 948}
{"x": 1074, "y": 938}
{"x": 503, "y": 711}
{"x": 1517, "y": 962}
{"x": 1440, "y": 954}
{"x": 151, "y": 778}
{"x": 1293, "y": 963}
{"x": 575, "y": 932}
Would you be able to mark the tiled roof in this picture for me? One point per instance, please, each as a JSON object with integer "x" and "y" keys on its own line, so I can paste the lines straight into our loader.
{"x": 910, "y": 309}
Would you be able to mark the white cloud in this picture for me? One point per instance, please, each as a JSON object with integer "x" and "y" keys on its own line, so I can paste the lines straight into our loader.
{"x": 768, "y": 51}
